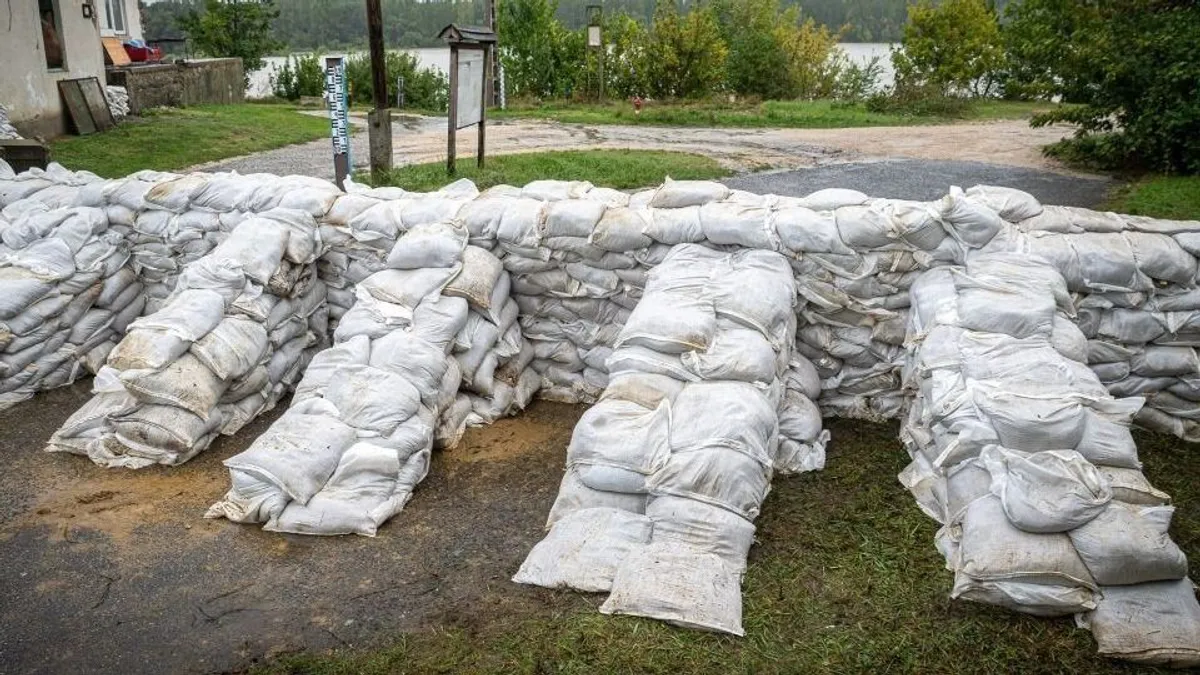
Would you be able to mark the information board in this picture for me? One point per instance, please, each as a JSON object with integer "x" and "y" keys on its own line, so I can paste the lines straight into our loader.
{"x": 470, "y": 87}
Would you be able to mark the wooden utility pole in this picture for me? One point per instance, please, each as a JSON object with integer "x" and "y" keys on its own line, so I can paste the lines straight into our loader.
{"x": 380, "y": 119}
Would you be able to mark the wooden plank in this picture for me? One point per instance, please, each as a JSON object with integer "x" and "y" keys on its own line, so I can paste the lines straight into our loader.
{"x": 487, "y": 97}
{"x": 77, "y": 107}
{"x": 114, "y": 51}
{"x": 97, "y": 103}
{"x": 451, "y": 148}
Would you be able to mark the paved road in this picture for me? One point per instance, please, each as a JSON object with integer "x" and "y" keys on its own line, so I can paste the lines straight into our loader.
{"x": 926, "y": 180}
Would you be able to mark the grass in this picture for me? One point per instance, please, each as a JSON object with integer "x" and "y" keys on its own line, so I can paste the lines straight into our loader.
{"x": 845, "y": 578}
{"x": 175, "y": 138}
{"x": 798, "y": 114}
{"x": 611, "y": 168}
{"x": 1175, "y": 197}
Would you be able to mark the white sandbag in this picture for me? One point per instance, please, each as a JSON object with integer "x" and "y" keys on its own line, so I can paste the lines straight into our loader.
{"x": 189, "y": 315}
{"x": 186, "y": 383}
{"x": 802, "y": 230}
{"x": 992, "y": 549}
{"x": 573, "y": 217}
{"x": 432, "y": 245}
{"x": 676, "y": 194}
{"x": 832, "y": 198}
{"x": 719, "y": 476}
{"x": 702, "y": 527}
{"x": 574, "y": 495}
{"x": 732, "y": 224}
{"x": 372, "y": 399}
{"x": 584, "y": 549}
{"x": 622, "y": 229}
{"x": 617, "y": 443}
{"x": 1156, "y": 623}
{"x": 1128, "y": 544}
{"x": 736, "y": 353}
{"x": 968, "y": 221}
{"x": 1013, "y": 205}
{"x": 673, "y": 583}
{"x": 477, "y": 279}
{"x": 1045, "y": 492}
{"x": 233, "y": 348}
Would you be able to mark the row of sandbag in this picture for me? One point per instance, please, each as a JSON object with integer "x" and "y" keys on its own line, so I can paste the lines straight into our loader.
{"x": 357, "y": 439}
{"x": 67, "y": 295}
{"x": 1029, "y": 464}
{"x": 233, "y": 338}
{"x": 666, "y": 473}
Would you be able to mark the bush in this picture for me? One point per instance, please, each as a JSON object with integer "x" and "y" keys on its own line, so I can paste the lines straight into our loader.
{"x": 1047, "y": 49}
{"x": 856, "y": 82}
{"x": 424, "y": 88}
{"x": 773, "y": 54}
{"x": 301, "y": 75}
{"x": 954, "y": 46}
{"x": 241, "y": 29}
{"x": 1140, "y": 102}
{"x": 927, "y": 100}
{"x": 685, "y": 55}
{"x": 541, "y": 58}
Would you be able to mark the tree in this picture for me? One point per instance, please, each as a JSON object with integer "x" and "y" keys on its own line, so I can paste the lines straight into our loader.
{"x": 1047, "y": 46}
{"x": 685, "y": 56}
{"x": 774, "y": 54}
{"x": 240, "y": 28}
{"x": 1139, "y": 87}
{"x": 541, "y": 58}
{"x": 954, "y": 46}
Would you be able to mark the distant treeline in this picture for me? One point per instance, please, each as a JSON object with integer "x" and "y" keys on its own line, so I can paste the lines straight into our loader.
{"x": 314, "y": 24}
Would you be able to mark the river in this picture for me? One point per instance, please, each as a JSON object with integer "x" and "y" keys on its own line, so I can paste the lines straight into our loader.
{"x": 439, "y": 58}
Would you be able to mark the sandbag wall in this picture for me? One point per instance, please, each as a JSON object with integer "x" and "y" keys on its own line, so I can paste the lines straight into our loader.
{"x": 144, "y": 230}
{"x": 233, "y": 337}
{"x": 357, "y": 438}
{"x": 666, "y": 473}
{"x": 1028, "y": 463}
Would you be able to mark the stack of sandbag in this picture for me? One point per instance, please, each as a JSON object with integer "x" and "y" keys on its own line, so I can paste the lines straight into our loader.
{"x": 52, "y": 187}
{"x": 66, "y": 295}
{"x": 363, "y": 225}
{"x": 357, "y": 439}
{"x": 666, "y": 473}
{"x": 7, "y": 130}
{"x": 234, "y": 337}
{"x": 173, "y": 220}
{"x": 118, "y": 101}
{"x": 1028, "y": 463}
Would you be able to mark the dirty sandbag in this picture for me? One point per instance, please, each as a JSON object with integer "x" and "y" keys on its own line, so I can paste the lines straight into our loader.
{"x": 756, "y": 290}
{"x": 832, "y": 198}
{"x": 326, "y": 365}
{"x": 370, "y": 485}
{"x": 573, "y": 218}
{"x": 523, "y": 223}
{"x": 993, "y": 549}
{"x": 799, "y": 417}
{"x": 675, "y": 316}
{"x": 438, "y": 320}
{"x": 674, "y": 583}
{"x": 189, "y": 315}
{"x": 47, "y": 259}
{"x": 187, "y": 383}
{"x": 477, "y": 278}
{"x": 233, "y": 348}
{"x": 431, "y": 245}
{"x": 423, "y": 364}
{"x": 258, "y": 245}
{"x": 406, "y": 288}
{"x": 154, "y": 434}
{"x": 736, "y": 414}
{"x": 1160, "y": 257}
{"x": 556, "y": 190}
{"x": 616, "y": 444}
{"x": 1128, "y": 544}
{"x": 1044, "y": 492}
{"x": 92, "y": 415}
{"x": 1156, "y": 623}
{"x": 145, "y": 348}
{"x": 22, "y": 288}
{"x": 968, "y": 221}
{"x": 733, "y": 224}
{"x": 702, "y": 527}
{"x": 736, "y": 353}
{"x": 802, "y": 230}
{"x": 584, "y": 549}
{"x": 675, "y": 226}
{"x": 223, "y": 276}
{"x": 574, "y": 495}
{"x": 622, "y": 229}
{"x": 1012, "y": 204}
{"x": 453, "y": 423}
{"x": 718, "y": 475}
{"x": 676, "y": 194}
{"x": 372, "y": 399}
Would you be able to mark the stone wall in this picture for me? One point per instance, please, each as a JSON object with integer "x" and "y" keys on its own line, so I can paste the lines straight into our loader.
{"x": 182, "y": 84}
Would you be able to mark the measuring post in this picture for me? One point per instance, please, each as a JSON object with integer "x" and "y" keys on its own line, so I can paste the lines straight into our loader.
{"x": 595, "y": 44}
{"x": 339, "y": 117}
{"x": 471, "y": 53}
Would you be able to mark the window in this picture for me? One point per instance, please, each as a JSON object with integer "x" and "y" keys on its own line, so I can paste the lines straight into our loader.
{"x": 51, "y": 26}
{"x": 113, "y": 20}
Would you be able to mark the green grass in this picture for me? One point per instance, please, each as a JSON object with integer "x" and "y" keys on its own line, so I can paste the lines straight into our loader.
{"x": 611, "y": 168}
{"x": 175, "y": 138}
{"x": 844, "y": 579}
{"x": 1175, "y": 197}
{"x": 797, "y": 114}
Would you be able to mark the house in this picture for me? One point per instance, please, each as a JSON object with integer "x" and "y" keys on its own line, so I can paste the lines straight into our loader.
{"x": 44, "y": 41}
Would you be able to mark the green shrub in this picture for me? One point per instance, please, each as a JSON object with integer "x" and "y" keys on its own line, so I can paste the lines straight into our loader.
{"x": 541, "y": 58}
{"x": 301, "y": 75}
{"x": 926, "y": 100}
{"x": 685, "y": 55}
{"x": 954, "y": 46}
{"x": 424, "y": 88}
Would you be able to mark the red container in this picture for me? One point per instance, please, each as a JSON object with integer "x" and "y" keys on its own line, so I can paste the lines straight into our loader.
{"x": 142, "y": 54}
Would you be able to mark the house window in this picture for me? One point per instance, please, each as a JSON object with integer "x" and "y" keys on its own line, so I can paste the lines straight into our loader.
{"x": 51, "y": 26}
{"x": 113, "y": 21}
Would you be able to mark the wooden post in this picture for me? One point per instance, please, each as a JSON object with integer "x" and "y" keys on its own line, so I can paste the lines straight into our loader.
{"x": 453, "y": 112}
{"x": 487, "y": 97}
{"x": 380, "y": 119}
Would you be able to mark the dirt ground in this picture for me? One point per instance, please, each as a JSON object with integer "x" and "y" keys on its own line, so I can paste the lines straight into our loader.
{"x": 423, "y": 139}
{"x": 115, "y": 571}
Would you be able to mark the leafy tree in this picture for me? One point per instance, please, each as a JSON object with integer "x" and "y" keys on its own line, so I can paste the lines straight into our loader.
{"x": 685, "y": 55}
{"x": 1048, "y": 49}
{"x": 240, "y": 28}
{"x": 424, "y": 88}
{"x": 541, "y": 57}
{"x": 1139, "y": 102}
{"x": 301, "y": 75}
{"x": 954, "y": 46}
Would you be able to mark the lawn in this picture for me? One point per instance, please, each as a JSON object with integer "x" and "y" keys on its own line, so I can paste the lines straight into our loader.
{"x": 844, "y": 578}
{"x": 798, "y": 114}
{"x": 175, "y": 138}
{"x": 1176, "y": 197}
{"x": 611, "y": 168}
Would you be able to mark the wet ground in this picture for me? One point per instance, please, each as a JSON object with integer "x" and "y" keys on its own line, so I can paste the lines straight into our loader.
{"x": 115, "y": 571}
